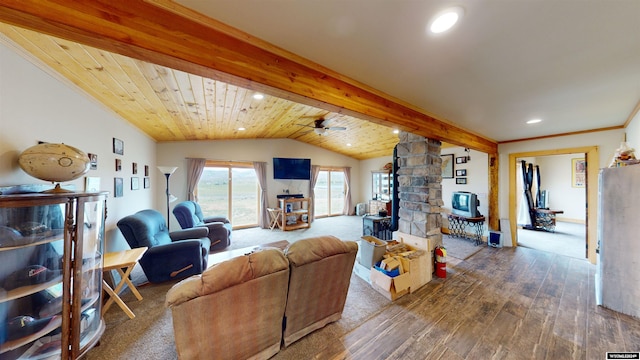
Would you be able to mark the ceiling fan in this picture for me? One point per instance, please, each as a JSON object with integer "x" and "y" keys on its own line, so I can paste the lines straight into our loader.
{"x": 319, "y": 127}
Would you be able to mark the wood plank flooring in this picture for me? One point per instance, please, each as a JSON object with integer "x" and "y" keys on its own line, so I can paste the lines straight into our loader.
{"x": 509, "y": 303}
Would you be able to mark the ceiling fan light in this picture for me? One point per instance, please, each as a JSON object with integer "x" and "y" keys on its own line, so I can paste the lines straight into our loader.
{"x": 319, "y": 131}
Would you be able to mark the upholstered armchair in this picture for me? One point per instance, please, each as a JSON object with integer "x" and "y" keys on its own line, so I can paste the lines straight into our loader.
{"x": 170, "y": 256}
{"x": 320, "y": 274}
{"x": 233, "y": 310}
{"x": 189, "y": 215}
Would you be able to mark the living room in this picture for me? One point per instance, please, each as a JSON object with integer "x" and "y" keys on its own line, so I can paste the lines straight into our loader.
{"x": 39, "y": 105}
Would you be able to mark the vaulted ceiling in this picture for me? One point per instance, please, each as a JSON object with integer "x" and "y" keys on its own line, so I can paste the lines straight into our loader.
{"x": 173, "y": 105}
{"x": 187, "y": 70}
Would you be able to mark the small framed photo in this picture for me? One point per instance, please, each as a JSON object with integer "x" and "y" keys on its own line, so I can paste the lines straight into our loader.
{"x": 92, "y": 184}
{"x": 93, "y": 161}
{"x": 135, "y": 183}
{"x": 461, "y": 172}
{"x": 134, "y": 168}
{"x": 118, "y": 164}
{"x": 146, "y": 170}
{"x": 461, "y": 180}
{"x": 118, "y": 146}
{"x": 117, "y": 187}
{"x": 147, "y": 183}
{"x": 461, "y": 160}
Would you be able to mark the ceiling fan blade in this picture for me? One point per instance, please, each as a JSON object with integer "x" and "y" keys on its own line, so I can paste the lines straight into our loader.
{"x": 336, "y": 128}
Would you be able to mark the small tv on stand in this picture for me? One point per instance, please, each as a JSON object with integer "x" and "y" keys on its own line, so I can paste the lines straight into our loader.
{"x": 465, "y": 204}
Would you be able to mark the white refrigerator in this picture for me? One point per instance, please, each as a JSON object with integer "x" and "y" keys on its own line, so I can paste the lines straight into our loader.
{"x": 617, "y": 281}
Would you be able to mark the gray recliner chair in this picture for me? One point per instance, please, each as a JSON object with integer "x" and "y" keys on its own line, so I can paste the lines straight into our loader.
{"x": 189, "y": 215}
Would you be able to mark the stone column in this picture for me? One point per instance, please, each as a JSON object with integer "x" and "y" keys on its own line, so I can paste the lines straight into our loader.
{"x": 419, "y": 187}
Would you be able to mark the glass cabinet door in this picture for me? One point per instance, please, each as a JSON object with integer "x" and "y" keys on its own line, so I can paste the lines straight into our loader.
{"x": 51, "y": 248}
{"x": 86, "y": 292}
{"x": 31, "y": 279}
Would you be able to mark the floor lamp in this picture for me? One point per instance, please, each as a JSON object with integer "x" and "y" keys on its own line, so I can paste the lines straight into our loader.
{"x": 167, "y": 171}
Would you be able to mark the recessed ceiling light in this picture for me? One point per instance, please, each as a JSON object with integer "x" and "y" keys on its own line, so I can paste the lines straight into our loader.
{"x": 396, "y": 131}
{"x": 258, "y": 96}
{"x": 241, "y": 129}
{"x": 446, "y": 19}
{"x": 534, "y": 121}
{"x": 348, "y": 144}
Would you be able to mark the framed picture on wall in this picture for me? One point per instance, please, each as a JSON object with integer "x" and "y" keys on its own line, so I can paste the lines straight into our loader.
{"x": 461, "y": 180}
{"x": 461, "y": 172}
{"x": 93, "y": 161}
{"x": 135, "y": 183}
{"x": 578, "y": 172}
{"x": 461, "y": 160}
{"x": 117, "y": 187}
{"x": 447, "y": 166}
{"x": 147, "y": 182}
{"x": 118, "y": 146}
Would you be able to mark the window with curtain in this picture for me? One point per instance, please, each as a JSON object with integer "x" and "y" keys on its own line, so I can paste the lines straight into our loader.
{"x": 230, "y": 189}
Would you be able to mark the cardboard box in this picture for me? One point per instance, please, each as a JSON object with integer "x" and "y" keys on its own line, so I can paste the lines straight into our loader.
{"x": 420, "y": 268}
{"x": 362, "y": 272}
{"x": 391, "y": 287}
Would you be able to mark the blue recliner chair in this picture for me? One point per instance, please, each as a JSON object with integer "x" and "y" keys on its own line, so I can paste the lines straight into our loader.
{"x": 189, "y": 215}
{"x": 170, "y": 256}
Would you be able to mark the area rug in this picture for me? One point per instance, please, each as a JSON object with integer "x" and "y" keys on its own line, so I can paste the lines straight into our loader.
{"x": 460, "y": 248}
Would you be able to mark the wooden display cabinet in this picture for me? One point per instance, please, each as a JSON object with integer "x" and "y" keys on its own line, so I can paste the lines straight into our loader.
{"x": 295, "y": 213}
{"x": 51, "y": 248}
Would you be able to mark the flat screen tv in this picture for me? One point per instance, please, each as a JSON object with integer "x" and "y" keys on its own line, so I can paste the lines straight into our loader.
{"x": 464, "y": 203}
{"x": 291, "y": 169}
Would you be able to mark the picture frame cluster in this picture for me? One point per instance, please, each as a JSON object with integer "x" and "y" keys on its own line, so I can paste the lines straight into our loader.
{"x": 118, "y": 182}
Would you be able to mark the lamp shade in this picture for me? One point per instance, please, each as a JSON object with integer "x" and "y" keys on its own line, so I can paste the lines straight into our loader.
{"x": 54, "y": 162}
{"x": 167, "y": 169}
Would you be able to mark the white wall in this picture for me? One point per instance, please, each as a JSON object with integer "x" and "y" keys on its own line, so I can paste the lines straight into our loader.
{"x": 176, "y": 153}
{"x": 36, "y": 106}
{"x": 556, "y": 177}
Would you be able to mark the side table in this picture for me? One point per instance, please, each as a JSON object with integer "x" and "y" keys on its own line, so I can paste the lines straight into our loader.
{"x": 458, "y": 225}
{"x": 126, "y": 260}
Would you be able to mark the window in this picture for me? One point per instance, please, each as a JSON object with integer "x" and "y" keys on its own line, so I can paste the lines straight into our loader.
{"x": 230, "y": 189}
{"x": 329, "y": 193}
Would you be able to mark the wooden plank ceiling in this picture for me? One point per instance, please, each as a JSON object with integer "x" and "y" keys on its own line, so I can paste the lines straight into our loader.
{"x": 172, "y": 105}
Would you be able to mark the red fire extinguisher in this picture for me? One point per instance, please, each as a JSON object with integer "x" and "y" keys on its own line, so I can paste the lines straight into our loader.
{"x": 441, "y": 261}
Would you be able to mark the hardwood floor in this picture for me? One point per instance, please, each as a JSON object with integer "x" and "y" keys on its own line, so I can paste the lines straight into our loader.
{"x": 509, "y": 303}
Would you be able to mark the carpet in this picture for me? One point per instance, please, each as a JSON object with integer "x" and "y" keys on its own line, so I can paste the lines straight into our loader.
{"x": 150, "y": 334}
{"x": 460, "y": 248}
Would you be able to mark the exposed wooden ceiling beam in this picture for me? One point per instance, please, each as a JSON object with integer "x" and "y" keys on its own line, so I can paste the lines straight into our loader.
{"x": 156, "y": 33}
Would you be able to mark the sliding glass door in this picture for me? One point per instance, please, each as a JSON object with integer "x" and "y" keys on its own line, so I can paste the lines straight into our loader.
{"x": 231, "y": 191}
{"x": 329, "y": 193}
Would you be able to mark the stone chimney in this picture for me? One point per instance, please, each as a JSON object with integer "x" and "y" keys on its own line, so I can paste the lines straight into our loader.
{"x": 419, "y": 187}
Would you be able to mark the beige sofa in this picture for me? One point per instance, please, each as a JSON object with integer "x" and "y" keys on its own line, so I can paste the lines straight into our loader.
{"x": 250, "y": 306}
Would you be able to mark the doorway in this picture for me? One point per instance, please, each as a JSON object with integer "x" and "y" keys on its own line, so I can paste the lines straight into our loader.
{"x": 555, "y": 186}
{"x": 591, "y": 188}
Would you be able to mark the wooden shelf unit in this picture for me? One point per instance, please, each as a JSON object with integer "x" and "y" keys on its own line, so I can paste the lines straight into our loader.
{"x": 298, "y": 207}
